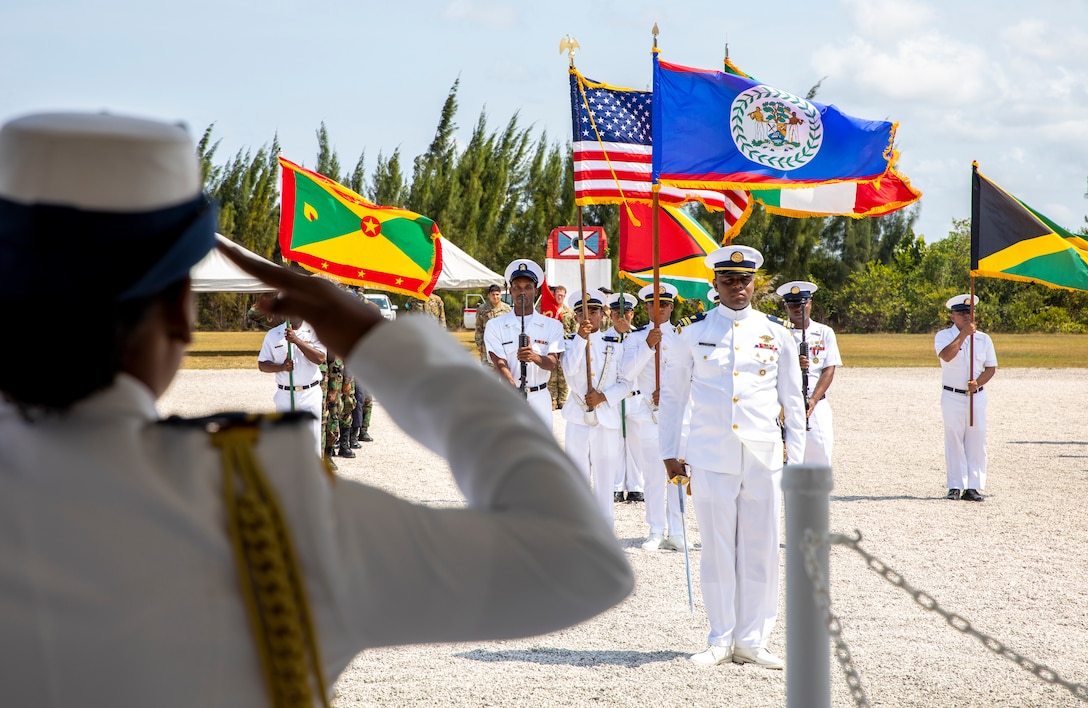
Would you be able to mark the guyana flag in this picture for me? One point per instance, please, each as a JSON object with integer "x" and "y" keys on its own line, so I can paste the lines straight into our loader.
{"x": 329, "y": 229}
{"x": 683, "y": 244}
{"x": 1011, "y": 240}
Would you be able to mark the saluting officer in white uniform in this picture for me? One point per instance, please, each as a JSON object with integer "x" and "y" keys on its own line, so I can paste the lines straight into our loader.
{"x": 215, "y": 562}
{"x": 822, "y": 360}
{"x": 301, "y": 370}
{"x": 639, "y": 352}
{"x": 545, "y": 334}
{"x": 962, "y": 380}
{"x": 592, "y": 411}
{"x": 739, "y": 367}
{"x": 629, "y": 485}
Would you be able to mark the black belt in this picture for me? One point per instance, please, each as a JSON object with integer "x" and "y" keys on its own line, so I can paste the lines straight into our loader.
{"x": 299, "y": 388}
{"x": 533, "y": 389}
{"x": 960, "y": 390}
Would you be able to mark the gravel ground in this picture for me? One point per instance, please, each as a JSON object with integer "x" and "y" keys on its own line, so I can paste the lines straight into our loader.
{"x": 1013, "y": 566}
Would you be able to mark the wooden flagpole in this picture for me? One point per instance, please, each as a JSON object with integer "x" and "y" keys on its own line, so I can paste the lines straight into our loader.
{"x": 971, "y": 354}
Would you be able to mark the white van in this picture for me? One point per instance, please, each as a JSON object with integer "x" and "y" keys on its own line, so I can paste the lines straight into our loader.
{"x": 389, "y": 310}
{"x": 472, "y": 301}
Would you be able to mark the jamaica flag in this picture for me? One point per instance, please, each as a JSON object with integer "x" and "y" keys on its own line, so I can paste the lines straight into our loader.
{"x": 1011, "y": 240}
{"x": 329, "y": 229}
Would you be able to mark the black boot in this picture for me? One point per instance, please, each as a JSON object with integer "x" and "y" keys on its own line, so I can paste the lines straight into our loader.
{"x": 345, "y": 442}
{"x": 330, "y": 451}
{"x": 365, "y": 436}
{"x": 354, "y": 443}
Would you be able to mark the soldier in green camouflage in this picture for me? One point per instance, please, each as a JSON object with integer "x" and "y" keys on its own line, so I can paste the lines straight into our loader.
{"x": 557, "y": 384}
{"x": 347, "y": 407}
{"x": 331, "y": 384}
{"x": 436, "y": 309}
{"x": 490, "y": 308}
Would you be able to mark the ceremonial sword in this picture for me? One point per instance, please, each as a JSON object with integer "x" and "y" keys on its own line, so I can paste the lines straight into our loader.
{"x": 680, "y": 481}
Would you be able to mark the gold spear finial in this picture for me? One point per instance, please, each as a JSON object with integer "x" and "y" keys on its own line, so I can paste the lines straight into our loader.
{"x": 654, "y": 32}
{"x": 569, "y": 45}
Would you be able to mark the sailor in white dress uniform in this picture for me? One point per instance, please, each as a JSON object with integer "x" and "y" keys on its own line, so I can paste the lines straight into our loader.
{"x": 821, "y": 362}
{"x": 739, "y": 368}
{"x": 639, "y": 351}
{"x": 140, "y": 556}
{"x": 592, "y": 413}
{"x": 544, "y": 334}
{"x": 963, "y": 398}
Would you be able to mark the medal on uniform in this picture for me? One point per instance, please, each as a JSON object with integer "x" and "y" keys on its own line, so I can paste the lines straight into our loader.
{"x": 815, "y": 360}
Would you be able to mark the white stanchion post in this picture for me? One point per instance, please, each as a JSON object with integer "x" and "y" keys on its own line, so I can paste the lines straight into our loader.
{"x": 806, "y": 489}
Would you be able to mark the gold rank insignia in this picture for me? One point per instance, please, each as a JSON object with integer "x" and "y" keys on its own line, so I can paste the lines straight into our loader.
{"x": 767, "y": 339}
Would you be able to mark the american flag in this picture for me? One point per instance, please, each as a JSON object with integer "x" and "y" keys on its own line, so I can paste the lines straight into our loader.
{"x": 613, "y": 152}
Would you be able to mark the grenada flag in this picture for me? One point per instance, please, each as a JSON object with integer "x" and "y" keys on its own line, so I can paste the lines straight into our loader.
{"x": 329, "y": 229}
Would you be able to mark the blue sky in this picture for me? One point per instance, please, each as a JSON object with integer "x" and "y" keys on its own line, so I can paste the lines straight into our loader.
{"x": 999, "y": 81}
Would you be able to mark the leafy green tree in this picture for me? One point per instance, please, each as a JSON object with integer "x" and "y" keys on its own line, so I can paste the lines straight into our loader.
{"x": 387, "y": 184}
{"x": 357, "y": 181}
{"x": 430, "y": 192}
{"x": 328, "y": 164}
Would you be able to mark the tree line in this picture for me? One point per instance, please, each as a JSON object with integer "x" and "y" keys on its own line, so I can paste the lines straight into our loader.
{"x": 499, "y": 196}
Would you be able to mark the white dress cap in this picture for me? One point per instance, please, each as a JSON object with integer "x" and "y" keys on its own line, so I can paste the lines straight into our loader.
{"x": 97, "y": 162}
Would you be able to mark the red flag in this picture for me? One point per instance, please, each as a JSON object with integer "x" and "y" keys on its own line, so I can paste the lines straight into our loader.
{"x": 548, "y": 305}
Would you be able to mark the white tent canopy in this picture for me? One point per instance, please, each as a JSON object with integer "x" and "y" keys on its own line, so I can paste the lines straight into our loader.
{"x": 215, "y": 274}
{"x": 461, "y": 271}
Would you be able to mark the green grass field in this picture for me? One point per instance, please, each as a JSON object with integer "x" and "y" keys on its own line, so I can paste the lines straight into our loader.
{"x": 238, "y": 350}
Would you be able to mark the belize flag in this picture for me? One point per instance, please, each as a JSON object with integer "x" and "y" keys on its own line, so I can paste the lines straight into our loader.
{"x": 717, "y": 130}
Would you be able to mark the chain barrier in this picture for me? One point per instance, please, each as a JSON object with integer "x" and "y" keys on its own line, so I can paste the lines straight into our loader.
{"x": 810, "y": 544}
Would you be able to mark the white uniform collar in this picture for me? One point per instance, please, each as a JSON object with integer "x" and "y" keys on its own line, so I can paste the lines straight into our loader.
{"x": 731, "y": 314}
{"x": 127, "y": 396}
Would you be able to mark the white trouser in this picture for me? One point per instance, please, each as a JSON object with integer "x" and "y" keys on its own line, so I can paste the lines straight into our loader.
{"x": 541, "y": 402}
{"x": 964, "y": 445}
{"x": 662, "y": 503}
{"x": 307, "y": 400}
{"x": 738, "y": 516}
{"x": 596, "y": 451}
{"x": 820, "y": 437}
{"x": 629, "y": 475}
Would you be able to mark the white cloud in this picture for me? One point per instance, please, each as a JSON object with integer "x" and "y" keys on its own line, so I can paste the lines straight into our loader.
{"x": 927, "y": 66}
{"x": 491, "y": 15}
{"x": 881, "y": 17}
{"x": 1036, "y": 40}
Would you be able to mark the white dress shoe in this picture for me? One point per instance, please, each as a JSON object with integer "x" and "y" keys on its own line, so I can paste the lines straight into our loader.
{"x": 712, "y": 656}
{"x": 674, "y": 543}
{"x": 653, "y": 542}
{"x": 758, "y": 656}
